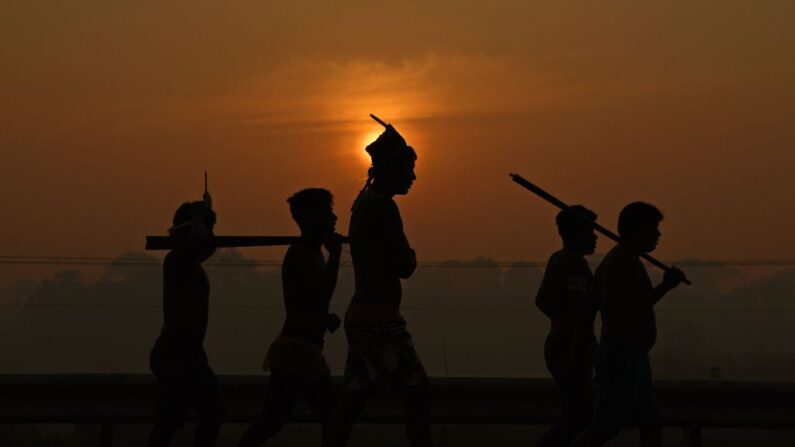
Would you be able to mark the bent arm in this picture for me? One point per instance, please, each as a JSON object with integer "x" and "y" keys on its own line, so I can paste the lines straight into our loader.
{"x": 403, "y": 256}
{"x": 327, "y": 281}
{"x": 633, "y": 287}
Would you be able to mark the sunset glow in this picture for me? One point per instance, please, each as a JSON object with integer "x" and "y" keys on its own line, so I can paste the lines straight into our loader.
{"x": 666, "y": 108}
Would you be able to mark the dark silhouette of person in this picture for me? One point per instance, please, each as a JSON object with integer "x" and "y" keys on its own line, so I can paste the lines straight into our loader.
{"x": 178, "y": 359}
{"x": 298, "y": 369}
{"x": 380, "y": 350}
{"x": 626, "y": 298}
{"x": 569, "y": 349}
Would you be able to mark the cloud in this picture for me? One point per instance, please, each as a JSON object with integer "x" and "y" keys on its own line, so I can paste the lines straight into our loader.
{"x": 305, "y": 95}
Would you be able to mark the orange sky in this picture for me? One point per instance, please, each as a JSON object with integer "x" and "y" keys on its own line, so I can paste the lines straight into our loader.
{"x": 111, "y": 111}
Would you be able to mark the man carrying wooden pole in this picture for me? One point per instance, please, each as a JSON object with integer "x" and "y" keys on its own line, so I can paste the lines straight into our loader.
{"x": 625, "y": 297}
{"x": 380, "y": 349}
{"x": 178, "y": 359}
{"x": 570, "y": 346}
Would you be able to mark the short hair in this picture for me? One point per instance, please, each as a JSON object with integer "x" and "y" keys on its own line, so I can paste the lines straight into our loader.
{"x": 570, "y": 219}
{"x": 184, "y": 215}
{"x": 307, "y": 200}
{"x": 638, "y": 215}
{"x": 185, "y": 212}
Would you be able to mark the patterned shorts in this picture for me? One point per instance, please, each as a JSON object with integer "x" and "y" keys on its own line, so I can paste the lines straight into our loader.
{"x": 295, "y": 356}
{"x": 382, "y": 358}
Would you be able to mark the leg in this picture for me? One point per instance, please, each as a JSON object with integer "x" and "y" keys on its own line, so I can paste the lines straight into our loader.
{"x": 284, "y": 391}
{"x": 340, "y": 423}
{"x": 651, "y": 435}
{"x": 692, "y": 436}
{"x": 320, "y": 396}
{"x": 418, "y": 424}
{"x": 171, "y": 406}
{"x": 208, "y": 426}
{"x": 577, "y": 400}
{"x": 615, "y": 396}
{"x": 593, "y": 437}
{"x": 408, "y": 374}
{"x": 650, "y": 423}
{"x": 551, "y": 438}
{"x": 169, "y": 417}
{"x": 205, "y": 399}
{"x": 553, "y": 360}
{"x": 363, "y": 372}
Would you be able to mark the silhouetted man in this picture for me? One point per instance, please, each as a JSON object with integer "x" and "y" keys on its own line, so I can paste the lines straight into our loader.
{"x": 295, "y": 359}
{"x": 381, "y": 352}
{"x": 626, "y": 298}
{"x": 178, "y": 359}
{"x": 570, "y": 345}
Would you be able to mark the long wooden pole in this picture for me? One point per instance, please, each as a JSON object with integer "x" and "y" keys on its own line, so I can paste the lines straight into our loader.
{"x": 167, "y": 242}
{"x": 562, "y": 205}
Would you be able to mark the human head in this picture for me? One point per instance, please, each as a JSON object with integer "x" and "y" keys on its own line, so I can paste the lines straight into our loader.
{"x": 183, "y": 228}
{"x": 392, "y": 162}
{"x": 638, "y": 226}
{"x": 577, "y": 233}
{"x": 312, "y": 209}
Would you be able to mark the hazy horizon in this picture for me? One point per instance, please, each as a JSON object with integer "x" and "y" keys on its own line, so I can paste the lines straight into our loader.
{"x": 453, "y": 310}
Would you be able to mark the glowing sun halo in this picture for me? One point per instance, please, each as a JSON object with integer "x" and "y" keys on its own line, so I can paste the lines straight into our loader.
{"x": 366, "y": 139}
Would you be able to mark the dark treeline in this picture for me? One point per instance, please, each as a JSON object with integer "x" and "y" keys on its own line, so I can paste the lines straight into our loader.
{"x": 473, "y": 317}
